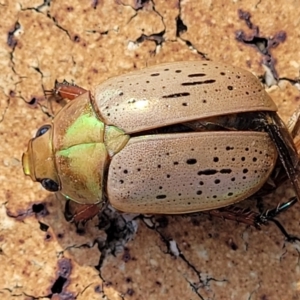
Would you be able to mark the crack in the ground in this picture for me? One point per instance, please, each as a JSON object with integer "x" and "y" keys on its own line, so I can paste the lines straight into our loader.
{"x": 175, "y": 251}
{"x": 39, "y": 9}
{"x": 254, "y": 291}
{"x": 181, "y": 28}
{"x": 260, "y": 43}
{"x": 5, "y": 110}
{"x": 12, "y": 43}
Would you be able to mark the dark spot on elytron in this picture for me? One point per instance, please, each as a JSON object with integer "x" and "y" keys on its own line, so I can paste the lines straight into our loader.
{"x": 178, "y": 71}
{"x": 243, "y": 158}
{"x": 233, "y": 179}
{"x": 139, "y": 169}
{"x": 199, "y": 192}
{"x": 230, "y": 194}
{"x": 204, "y": 101}
{"x": 207, "y": 172}
{"x": 216, "y": 159}
{"x": 176, "y": 95}
{"x": 121, "y": 181}
{"x": 198, "y": 82}
{"x": 168, "y": 175}
{"x": 161, "y": 196}
{"x": 125, "y": 171}
{"x": 159, "y": 166}
{"x": 155, "y": 74}
{"x": 121, "y": 94}
{"x": 175, "y": 163}
{"x": 254, "y": 159}
{"x": 215, "y": 196}
{"x": 245, "y": 171}
{"x": 229, "y": 148}
{"x": 197, "y": 75}
{"x": 201, "y": 182}
{"x": 191, "y": 161}
{"x": 217, "y": 181}
{"x": 225, "y": 171}
{"x": 222, "y": 73}
{"x": 184, "y": 104}
{"x": 230, "y": 88}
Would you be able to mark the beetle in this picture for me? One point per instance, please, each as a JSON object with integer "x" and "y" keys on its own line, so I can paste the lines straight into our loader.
{"x": 174, "y": 138}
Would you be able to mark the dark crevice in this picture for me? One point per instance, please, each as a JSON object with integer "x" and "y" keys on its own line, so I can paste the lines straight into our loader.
{"x": 182, "y": 28}
{"x": 260, "y": 43}
{"x": 156, "y": 37}
{"x": 43, "y": 227}
{"x": 139, "y": 4}
{"x": 119, "y": 231}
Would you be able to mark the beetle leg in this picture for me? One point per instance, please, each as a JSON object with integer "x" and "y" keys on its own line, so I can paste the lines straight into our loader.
{"x": 287, "y": 151}
{"x": 249, "y": 217}
{"x": 76, "y": 212}
{"x": 270, "y": 215}
{"x": 234, "y": 213}
{"x": 65, "y": 90}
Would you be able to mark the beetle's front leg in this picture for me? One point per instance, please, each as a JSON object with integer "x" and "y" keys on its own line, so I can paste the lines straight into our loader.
{"x": 66, "y": 90}
{"x": 76, "y": 212}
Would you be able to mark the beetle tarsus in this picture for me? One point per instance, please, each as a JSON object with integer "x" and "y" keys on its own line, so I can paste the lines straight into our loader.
{"x": 270, "y": 214}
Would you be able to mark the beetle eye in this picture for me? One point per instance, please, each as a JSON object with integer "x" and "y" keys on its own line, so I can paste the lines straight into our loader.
{"x": 42, "y": 130}
{"x": 50, "y": 185}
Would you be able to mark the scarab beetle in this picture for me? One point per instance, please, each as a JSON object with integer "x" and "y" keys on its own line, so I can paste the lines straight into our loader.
{"x": 170, "y": 139}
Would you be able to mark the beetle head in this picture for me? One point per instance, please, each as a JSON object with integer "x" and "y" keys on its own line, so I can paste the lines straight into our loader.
{"x": 69, "y": 154}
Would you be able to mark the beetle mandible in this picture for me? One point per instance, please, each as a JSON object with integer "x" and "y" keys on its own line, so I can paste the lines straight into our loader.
{"x": 175, "y": 138}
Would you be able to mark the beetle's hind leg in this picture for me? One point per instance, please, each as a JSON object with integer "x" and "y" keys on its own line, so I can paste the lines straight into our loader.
{"x": 249, "y": 217}
{"x": 271, "y": 214}
{"x": 286, "y": 148}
